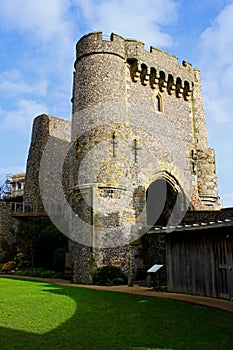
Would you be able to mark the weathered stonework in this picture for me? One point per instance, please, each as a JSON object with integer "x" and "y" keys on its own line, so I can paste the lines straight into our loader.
{"x": 8, "y": 228}
{"x": 46, "y": 128}
{"x": 138, "y": 117}
{"x": 137, "y": 122}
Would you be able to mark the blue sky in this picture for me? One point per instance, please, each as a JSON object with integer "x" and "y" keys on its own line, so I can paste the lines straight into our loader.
{"x": 37, "y": 51}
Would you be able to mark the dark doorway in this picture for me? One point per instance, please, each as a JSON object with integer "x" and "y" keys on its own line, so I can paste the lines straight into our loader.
{"x": 160, "y": 200}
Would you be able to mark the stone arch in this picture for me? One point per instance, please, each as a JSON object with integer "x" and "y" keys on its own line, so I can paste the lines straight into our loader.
{"x": 165, "y": 200}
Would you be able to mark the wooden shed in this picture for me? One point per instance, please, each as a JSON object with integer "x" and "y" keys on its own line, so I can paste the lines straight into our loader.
{"x": 200, "y": 260}
{"x": 199, "y": 255}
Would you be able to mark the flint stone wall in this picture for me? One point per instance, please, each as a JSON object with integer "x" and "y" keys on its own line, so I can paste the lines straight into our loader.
{"x": 116, "y": 83}
{"x": 52, "y": 135}
{"x": 8, "y": 227}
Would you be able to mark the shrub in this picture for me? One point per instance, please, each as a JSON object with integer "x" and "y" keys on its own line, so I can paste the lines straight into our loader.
{"x": 118, "y": 281}
{"x": 20, "y": 261}
{"x": 8, "y": 266}
{"x": 43, "y": 273}
{"x": 48, "y": 274}
{"x": 108, "y": 275}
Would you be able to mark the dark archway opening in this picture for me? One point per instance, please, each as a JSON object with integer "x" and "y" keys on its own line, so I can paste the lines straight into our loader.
{"x": 161, "y": 198}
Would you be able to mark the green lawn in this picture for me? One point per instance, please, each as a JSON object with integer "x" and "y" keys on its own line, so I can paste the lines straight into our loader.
{"x": 40, "y": 315}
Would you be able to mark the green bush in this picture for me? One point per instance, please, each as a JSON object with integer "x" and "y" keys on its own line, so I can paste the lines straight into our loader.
{"x": 15, "y": 265}
{"x": 48, "y": 274}
{"x": 118, "y": 281}
{"x": 108, "y": 275}
{"x": 22, "y": 273}
{"x": 43, "y": 273}
{"x": 38, "y": 272}
{"x": 8, "y": 266}
{"x": 20, "y": 261}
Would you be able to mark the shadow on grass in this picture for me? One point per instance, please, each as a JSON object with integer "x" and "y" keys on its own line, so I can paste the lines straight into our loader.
{"x": 107, "y": 321}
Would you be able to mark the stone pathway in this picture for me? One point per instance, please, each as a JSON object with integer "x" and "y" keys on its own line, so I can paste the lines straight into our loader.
{"x": 221, "y": 304}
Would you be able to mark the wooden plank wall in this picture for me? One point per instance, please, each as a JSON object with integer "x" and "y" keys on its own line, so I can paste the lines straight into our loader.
{"x": 193, "y": 261}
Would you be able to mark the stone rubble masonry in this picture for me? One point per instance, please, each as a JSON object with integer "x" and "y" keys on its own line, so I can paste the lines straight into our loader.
{"x": 45, "y": 127}
{"x": 7, "y": 231}
{"x": 116, "y": 85}
{"x": 137, "y": 116}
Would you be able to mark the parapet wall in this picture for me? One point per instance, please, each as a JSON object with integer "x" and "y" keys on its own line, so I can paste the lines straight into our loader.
{"x": 94, "y": 43}
{"x": 157, "y": 65}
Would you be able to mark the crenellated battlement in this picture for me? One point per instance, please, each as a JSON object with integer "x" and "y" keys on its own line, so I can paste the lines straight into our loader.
{"x": 94, "y": 43}
{"x": 156, "y": 68}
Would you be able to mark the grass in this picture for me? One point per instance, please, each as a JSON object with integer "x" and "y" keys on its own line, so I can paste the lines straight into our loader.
{"x": 40, "y": 315}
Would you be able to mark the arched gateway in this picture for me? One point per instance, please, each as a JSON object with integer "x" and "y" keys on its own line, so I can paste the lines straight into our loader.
{"x": 165, "y": 200}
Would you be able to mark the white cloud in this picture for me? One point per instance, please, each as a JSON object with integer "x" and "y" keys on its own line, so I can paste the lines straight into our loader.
{"x": 13, "y": 84}
{"x": 44, "y": 19}
{"x": 21, "y": 118}
{"x": 216, "y": 51}
{"x": 219, "y": 37}
{"x": 43, "y": 60}
{"x": 44, "y": 27}
{"x": 129, "y": 18}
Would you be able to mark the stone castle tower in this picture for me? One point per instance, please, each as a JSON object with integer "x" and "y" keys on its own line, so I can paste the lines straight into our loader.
{"x": 140, "y": 153}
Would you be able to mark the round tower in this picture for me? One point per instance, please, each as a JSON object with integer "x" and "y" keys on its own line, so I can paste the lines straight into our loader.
{"x": 99, "y": 75}
{"x": 100, "y": 171}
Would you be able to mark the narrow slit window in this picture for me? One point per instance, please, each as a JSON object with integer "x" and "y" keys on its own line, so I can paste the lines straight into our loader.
{"x": 158, "y": 103}
{"x": 114, "y": 143}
